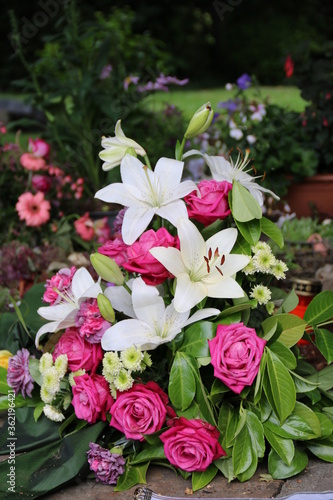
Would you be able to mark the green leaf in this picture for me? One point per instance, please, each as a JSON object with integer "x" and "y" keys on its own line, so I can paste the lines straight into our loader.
{"x": 289, "y": 303}
{"x": 201, "y": 397}
{"x": 269, "y": 327}
{"x": 196, "y": 337}
{"x": 279, "y": 470}
{"x": 282, "y": 446}
{"x": 256, "y": 431}
{"x": 260, "y": 379}
{"x": 3, "y": 381}
{"x": 193, "y": 411}
{"x": 242, "y": 454}
{"x": 182, "y": 382}
{"x": 226, "y": 467}
{"x": 320, "y": 308}
{"x": 323, "y": 449}
{"x": 302, "y": 385}
{"x": 283, "y": 388}
{"x": 150, "y": 453}
{"x": 217, "y": 391}
{"x": 250, "y": 230}
{"x": 38, "y": 410}
{"x": 309, "y": 416}
{"x": 131, "y": 477}
{"x": 292, "y": 328}
{"x": 34, "y": 371}
{"x": 235, "y": 309}
{"x": 324, "y": 342}
{"x": 326, "y": 425}
{"x": 241, "y": 246}
{"x": 284, "y": 354}
{"x": 293, "y": 428}
{"x": 272, "y": 231}
{"x": 244, "y": 206}
{"x": 201, "y": 479}
{"x": 324, "y": 378}
{"x": 248, "y": 473}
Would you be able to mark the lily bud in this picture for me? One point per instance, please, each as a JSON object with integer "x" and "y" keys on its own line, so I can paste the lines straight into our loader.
{"x": 200, "y": 121}
{"x": 105, "y": 308}
{"x": 107, "y": 268}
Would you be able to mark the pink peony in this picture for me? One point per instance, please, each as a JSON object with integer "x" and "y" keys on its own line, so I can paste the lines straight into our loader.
{"x": 191, "y": 445}
{"x": 212, "y": 202}
{"x": 141, "y": 261}
{"x": 90, "y": 322}
{"x": 41, "y": 183}
{"x": 34, "y": 209}
{"x": 236, "y": 352}
{"x": 80, "y": 353}
{"x": 140, "y": 410}
{"x": 61, "y": 282}
{"x": 84, "y": 227}
{"x": 91, "y": 397}
{"x": 115, "y": 249}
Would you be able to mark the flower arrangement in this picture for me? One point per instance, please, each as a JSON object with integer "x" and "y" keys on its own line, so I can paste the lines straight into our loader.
{"x": 182, "y": 352}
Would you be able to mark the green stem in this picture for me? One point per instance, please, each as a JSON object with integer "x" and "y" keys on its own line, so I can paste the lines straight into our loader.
{"x": 147, "y": 161}
{"x": 127, "y": 288}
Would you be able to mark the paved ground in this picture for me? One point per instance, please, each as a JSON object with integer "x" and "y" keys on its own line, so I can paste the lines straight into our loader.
{"x": 318, "y": 477}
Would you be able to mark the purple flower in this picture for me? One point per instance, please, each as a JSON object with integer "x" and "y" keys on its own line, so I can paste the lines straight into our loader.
{"x": 106, "y": 465}
{"x": 118, "y": 221}
{"x": 106, "y": 71}
{"x": 167, "y": 80}
{"x": 244, "y": 82}
{"x": 18, "y": 375}
{"x": 231, "y": 105}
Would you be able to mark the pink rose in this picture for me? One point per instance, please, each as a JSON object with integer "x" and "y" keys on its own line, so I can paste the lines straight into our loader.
{"x": 191, "y": 445}
{"x": 236, "y": 352}
{"x": 115, "y": 249}
{"x": 140, "y": 410}
{"x": 91, "y": 397}
{"x": 89, "y": 321}
{"x": 61, "y": 282}
{"x": 212, "y": 202}
{"x": 141, "y": 261}
{"x": 80, "y": 353}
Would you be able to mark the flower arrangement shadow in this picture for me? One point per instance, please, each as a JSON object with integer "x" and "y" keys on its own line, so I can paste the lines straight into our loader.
{"x": 182, "y": 353}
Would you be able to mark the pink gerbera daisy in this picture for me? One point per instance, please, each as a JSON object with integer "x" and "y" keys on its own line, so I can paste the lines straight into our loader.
{"x": 34, "y": 209}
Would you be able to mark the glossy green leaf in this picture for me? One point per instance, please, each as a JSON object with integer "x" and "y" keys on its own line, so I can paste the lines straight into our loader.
{"x": 260, "y": 378}
{"x": 227, "y": 423}
{"x": 289, "y": 303}
{"x": 324, "y": 342}
{"x": 256, "y": 431}
{"x": 229, "y": 311}
{"x": 279, "y": 470}
{"x": 248, "y": 473}
{"x": 293, "y": 428}
{"x": 201, "y": 479}
{"x": 3, "y": 381}
{"x": 269, "y": 327}
{"x": 283, "y": 388}
{"x": 195, "y": 341}
{"x": 303, "y": 385}
{"x": 323, "y": 449}
{"x": 242, "y": 454}
{"x": 226, "y": 467}
{"x": 272, "y": 231}
{"x": 326, "y": 425}
{"x": 193, "y": 411}
{"x": 324, "y": 378}
{"x": 217, "y": 391}
{"x": 150, "y": 453}
{"x": 182, "y": 382}
{"x": 34, "y": 371}
{"x": 132, "y": 476}
{"x": 282, "y": 446}
{"x": 241, "y": 246}
{"x": 292, "y": 328}
{"x": 284, "y": 354}
{"x": 320, "y": 308}
{"x": 244, "y": 206}
{"x": 309, "y": 416}
{"x": 250, "y": 230}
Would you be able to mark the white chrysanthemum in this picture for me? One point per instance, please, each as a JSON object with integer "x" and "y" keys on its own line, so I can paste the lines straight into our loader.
{"x": 51, "y": 381}
{"x": 75, "y": 374}
{"x": 250, "y": 268}
{"x": 113, "y": 390}
{"x": 131, "y": 358}
{"x": 123, "y": 381}
{"x": 279, "y": 269}
{"x": 45, "y": 396}
{"x": 264, "y": 261}
{"x": 261, "y": 245}
{"x": 261, "y": 293}
{"x": 61, "y": 364}
{"x": 146, "y": 361}
{"x": 45, "y": 362}
{"x": 111, "y": 364}
{"x": 53, "y": 413}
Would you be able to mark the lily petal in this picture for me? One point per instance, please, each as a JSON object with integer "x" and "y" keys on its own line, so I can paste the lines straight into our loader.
{"x": 169, "y": 172}
{"x": 121, "y": 299}
{"x": 227, "y": 288}
{"x": 135, "y": 221}
{"x": 223, "y": 240}
{"x": 82, "y": 282}
{"x": 173, "y": 212}
{"x": 202, "y": 314}
{"x": 117, "y": 193}
{"x": 192, "y": 244}
{"x": 188, "y": 293}
{"x": 170, "y": 258}
{"x": 56, "y": 313}
{"x": 147, "y": 303}
{"x": 127, "y": 333}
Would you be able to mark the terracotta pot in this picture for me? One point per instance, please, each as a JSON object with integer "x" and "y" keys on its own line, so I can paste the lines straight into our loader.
{"x": 314, "y": 196}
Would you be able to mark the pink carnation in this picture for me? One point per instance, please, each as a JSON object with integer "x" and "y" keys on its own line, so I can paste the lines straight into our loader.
{"x": 91, "y": 397}
{"x": 80, "y": 353}
{"x": 211, "y": 203}
{"x": 84, "y": 227}
{"x": 90, "y": 322}
{"x": 33, "y": 209}
{"x": 115, "y": 249}
{"x": 61, "y": 282}
{"x": 141, "y": 261}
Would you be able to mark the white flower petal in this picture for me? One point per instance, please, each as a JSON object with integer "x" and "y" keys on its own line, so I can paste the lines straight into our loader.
{"x": 127, "y": 333}
{"x": 48, "y": 328}
{"x": 223, "y": 240}
{"x": 117, "y": 193}
{"x": 82, "y": 281}
{"x": 234, "y": 263}
{"x": 147, "y": 303}
{"x": 136, "y": 220}
{"x": 170, "y": 258}
{"x": 226, "y": 288}
{"x": 173, "y": 212}
{"x": 202, "y": 314}
{"x": 56, "y": 313}
{"x": 133, "y": 173}
{"x": 192, "y": 245}
{"x": 181, "y": 190}
{"x": 121, "y": 299}
{"x": 188, "y": 293}
{"x": 169, "y": 172}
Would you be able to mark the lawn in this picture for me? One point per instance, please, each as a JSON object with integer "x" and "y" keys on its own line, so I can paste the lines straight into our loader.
{"x": 190, "y": 100}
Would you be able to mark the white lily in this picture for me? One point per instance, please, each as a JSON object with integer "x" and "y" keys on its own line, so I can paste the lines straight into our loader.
{"x": 153, "y": 325}
{"x": 202, "y": 268}
{"x": 63, "y": 314}
{"x": 116, "y": 147}
{"x": 147, "y": 193}
{"x": 225, "y": 170}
